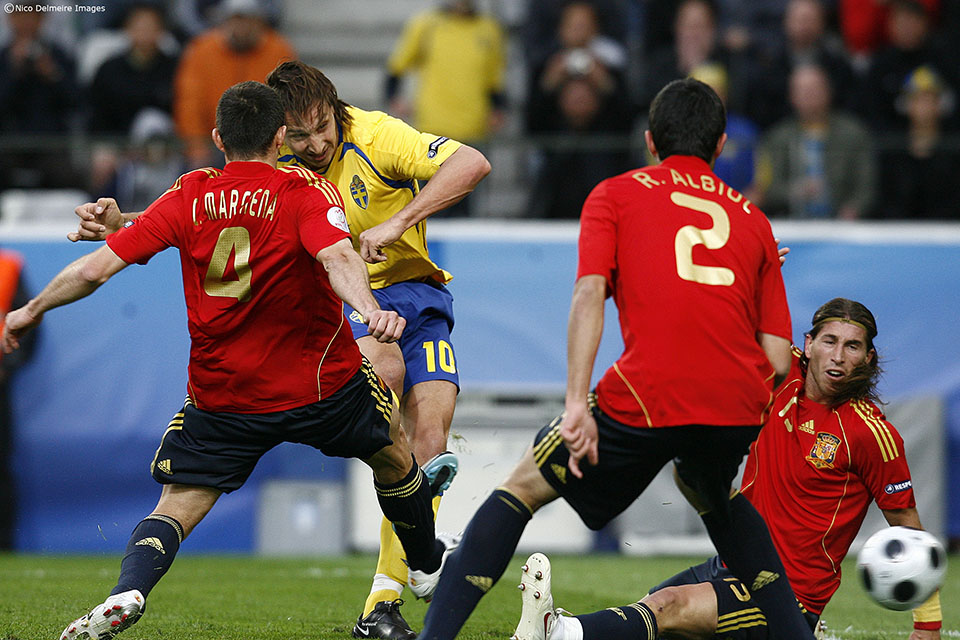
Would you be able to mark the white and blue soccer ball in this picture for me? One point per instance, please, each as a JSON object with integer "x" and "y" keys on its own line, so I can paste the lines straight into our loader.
{"x": 901, "y": 567}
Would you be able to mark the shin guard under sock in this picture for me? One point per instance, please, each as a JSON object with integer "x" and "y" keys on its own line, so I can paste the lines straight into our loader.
{"x": 150, "y": 552}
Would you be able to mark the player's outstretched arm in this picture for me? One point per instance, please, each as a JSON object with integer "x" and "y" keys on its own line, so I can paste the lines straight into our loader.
{"x": 585, "y": 327}
{"x": 349, "y": 279}
{"x": 454, "y": 180}
{"x": 99, "y": 219}
{"x": 77, "y": 280}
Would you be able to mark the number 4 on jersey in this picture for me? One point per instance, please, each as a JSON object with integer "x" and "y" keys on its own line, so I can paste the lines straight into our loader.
{"x": 233, "y": 241}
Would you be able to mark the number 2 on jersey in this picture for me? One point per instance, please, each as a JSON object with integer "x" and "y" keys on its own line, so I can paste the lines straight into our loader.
{"x": 232, "y": 241}
{"x": 713, "y": 238}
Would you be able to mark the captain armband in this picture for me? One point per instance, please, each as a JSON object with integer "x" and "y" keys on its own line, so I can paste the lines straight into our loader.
{"x": 928, "y": 615}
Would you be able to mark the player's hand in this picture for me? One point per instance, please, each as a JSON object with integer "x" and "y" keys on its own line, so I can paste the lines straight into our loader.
{"x": 579, "y": 432}
{"x": 97, "y": 220}
{"x": 374, "y": 239}
{"x": 16, "y": 324}
{"x": 781, "y": 251}
{"x": 385, "y": 326}
{"x": 925, "y": 634}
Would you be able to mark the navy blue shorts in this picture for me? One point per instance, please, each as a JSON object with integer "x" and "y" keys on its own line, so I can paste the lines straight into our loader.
{"x": 220, "y": 449}
{"x": 738, "y": 616}
{"x": 428, "y": 309}
{"x": 707, "y": 458}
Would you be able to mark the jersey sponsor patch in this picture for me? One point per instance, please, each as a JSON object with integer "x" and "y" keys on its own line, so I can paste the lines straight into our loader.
{"x": 337, "y": 218}
{"x": 824, "y": 451}
{"x": 358, "y": 191}
{"x": 897, "y": 487}
{"x": 129, "y": 223}
{"x": 434, "y": 146}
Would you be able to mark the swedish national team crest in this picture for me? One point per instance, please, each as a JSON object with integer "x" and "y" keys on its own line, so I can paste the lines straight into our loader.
{"x": 358, "y": 191}
{"x": 824, "y": 451}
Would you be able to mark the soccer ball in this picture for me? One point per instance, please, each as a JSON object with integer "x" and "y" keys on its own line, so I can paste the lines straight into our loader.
{"x": 901, "y": 567}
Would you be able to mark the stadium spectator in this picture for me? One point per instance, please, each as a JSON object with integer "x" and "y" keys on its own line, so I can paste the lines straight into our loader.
{"x": 566, "y": 170}
{"x": 458, "y": 55}
{"x": 827, "y": 452}
{"x": 379, "y": 160}
{"x": 920, "y": 169}
{"x": 696, "y": 41}
{"x": 911, "y": 45}
{"x": 254, "y": 380}
{"x": 13, "y": 294}
{"x": 818, "y": 163}
{"x": 141, "y": 77}
{"x": 581, "y": 50}
{"x": 151, "y": 163}
{"x": 736, "y": 164}
{"x": 242, "y": 47}
{"x": 608, "y": 445}
{"x": 36, "y": 97}
{"x": 863, "y": 24}
{"x": 541, "y": 35}
{"x": 750, "y": 26}
{"x": 577, "y": 101}
{"x": 805, "y": 41}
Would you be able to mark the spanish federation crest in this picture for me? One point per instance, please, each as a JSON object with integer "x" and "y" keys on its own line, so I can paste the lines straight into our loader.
{"x": 358, "y": 191}
{"x": 824, "y": 451}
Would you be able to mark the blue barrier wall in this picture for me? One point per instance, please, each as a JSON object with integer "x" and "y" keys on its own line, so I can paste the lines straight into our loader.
{"x": 110, "y": 370}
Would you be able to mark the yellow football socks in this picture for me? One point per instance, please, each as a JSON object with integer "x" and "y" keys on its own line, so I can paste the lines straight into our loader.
{"x": 391, "y": 576}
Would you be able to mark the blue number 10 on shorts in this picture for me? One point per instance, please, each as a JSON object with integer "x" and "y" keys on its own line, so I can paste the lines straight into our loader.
{"x": 428, "y": 309}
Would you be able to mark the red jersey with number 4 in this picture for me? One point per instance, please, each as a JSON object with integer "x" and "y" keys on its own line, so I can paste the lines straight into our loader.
{"x": 693, "y": 268}
{"x": 266, "y": 329}
{"x": 812, "y": 474}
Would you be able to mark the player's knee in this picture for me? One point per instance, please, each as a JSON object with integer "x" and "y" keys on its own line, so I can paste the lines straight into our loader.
{"x": 671, "y": 606}
{"x": 527, "y": 483}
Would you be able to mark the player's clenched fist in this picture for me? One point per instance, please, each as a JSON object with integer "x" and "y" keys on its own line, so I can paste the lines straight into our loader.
{"x": 97, "y": 220}
{"x": 385, "y": 326}
{"x": 373, "y": 240}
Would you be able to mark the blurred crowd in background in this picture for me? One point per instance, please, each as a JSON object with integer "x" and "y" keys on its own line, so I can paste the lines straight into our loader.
{"x": 836, "y": 108}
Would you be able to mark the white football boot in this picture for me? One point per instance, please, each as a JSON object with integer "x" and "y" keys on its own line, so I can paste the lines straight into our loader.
{"x": 104, "y": 621}
{"x": 537, "y": 614}
{"x": 423, "y": 584}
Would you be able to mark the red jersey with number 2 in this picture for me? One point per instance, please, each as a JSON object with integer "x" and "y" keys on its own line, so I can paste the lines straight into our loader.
{"x": 266, "y": 329}
{"x": 693, "y": 269}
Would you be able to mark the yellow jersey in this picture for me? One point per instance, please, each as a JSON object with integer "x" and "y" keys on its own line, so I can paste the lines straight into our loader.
{"x": 376, "y": 165}
{"x": 450, "y": 50}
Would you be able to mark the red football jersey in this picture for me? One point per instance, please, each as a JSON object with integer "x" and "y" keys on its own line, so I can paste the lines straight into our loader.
{"x": 812, "y": 474}
{"x": 266, "y": 329}
{"x": 693, "y": 268}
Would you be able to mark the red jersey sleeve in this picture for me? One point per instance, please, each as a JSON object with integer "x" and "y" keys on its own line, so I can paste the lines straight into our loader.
{"x": 880, "y": 462}
{"x": 774, "y": 316}
{"x": 321, "y": 220}
{"x": 151, "y": 232}
{"x": 597, "y": 246}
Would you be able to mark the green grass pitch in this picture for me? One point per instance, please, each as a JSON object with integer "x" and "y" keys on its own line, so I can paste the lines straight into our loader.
{"x": 247, "y": 597}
